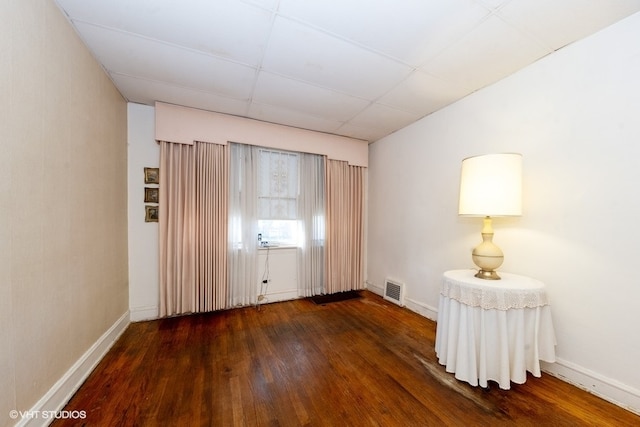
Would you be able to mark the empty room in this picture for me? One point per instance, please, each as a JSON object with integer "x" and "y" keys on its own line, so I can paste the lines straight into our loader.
{"x": 288, "y": 213}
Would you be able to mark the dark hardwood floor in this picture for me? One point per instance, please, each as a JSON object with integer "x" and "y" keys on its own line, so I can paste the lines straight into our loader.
{"x": 362, "y": 362}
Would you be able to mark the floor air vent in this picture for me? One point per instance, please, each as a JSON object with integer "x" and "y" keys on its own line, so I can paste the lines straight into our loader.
{"x": 394, "y": 292}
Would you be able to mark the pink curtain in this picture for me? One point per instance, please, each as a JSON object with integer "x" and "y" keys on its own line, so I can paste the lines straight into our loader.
{"x": 193, "y": 227}
{"x": 344, "y": 226}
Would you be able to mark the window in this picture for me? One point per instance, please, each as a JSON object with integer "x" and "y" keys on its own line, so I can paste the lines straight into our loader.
{"x": 278, "y": 190}
{"x": 279, "y": 232}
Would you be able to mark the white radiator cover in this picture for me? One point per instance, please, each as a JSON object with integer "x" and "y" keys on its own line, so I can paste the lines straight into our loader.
{"x": 394, "y": 292}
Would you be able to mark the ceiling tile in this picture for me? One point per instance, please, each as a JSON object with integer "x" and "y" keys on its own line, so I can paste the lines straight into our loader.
{"x": 492, "y": 51}
{"x": 265, "y": 4}
{"x": 273, "y": 114}
{"x": 208, "y": 26}
{"x": 423, "y": 94}
{"x": 124, "y": 53}
{"x": 364, "y": 133}
{"x": 308, "y": 55}
{"x": 493, "y": 4}
{"x": 280, "y": 91}
{"x": 148, "y": 92}
{"x": 560, "y": 23}
{"x": 410, "y": 30}
{"x": 383, "y": 118}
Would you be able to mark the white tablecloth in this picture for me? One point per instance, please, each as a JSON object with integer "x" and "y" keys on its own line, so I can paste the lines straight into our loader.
{"x": 493, "y": 329}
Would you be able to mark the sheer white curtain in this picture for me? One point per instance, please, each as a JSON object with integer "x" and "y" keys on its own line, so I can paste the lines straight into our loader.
{"x": 243, "y": 225}
{"x": 311, "y": 214}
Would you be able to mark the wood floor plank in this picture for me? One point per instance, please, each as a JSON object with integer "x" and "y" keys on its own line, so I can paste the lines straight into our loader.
{"x": 361, "y": 362}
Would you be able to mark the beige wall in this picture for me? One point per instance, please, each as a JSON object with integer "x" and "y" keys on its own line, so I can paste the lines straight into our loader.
{"x": 63, "y": 202}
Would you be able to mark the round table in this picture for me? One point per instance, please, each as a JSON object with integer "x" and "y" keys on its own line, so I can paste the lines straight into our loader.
{"x": 493, "y": 329}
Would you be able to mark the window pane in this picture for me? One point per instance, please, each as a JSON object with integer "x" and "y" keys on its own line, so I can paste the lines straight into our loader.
{"x": 278, "y": 185}
{"x": 279, "y": 232}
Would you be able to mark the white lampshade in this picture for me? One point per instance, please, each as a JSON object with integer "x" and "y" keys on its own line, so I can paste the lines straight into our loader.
{"x": 491, "y": 185}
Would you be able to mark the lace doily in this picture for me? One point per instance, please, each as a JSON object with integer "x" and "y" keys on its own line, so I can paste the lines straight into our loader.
{"x": 510, "y": 292}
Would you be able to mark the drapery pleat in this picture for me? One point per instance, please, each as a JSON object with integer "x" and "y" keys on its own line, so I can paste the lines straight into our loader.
{"x": 311, "y": 208}
{"x": 212, "y": 194}
{"x": 345, "y": 186}
{"x": 176, "y": 224}
{"x": 193, "y": 227}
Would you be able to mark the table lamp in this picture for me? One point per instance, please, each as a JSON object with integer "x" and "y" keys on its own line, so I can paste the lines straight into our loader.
{"x": 490, "y": 185}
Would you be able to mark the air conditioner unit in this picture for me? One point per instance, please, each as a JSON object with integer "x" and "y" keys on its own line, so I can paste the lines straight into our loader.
{"x": 394, "y": 292}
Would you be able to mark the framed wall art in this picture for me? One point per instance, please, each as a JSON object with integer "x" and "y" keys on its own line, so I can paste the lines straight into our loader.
{"x": 152, "y": 175}
{"x": 151, "y": 213}
{"x": 151, "y": 195}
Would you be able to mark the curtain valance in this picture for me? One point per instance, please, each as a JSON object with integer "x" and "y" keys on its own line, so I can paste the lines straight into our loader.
{"x": 184, "y": 125}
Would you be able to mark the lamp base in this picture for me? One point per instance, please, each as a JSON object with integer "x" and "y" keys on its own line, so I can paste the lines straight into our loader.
{"x": 487, "y": 256}
{"x": 487, "y": 274}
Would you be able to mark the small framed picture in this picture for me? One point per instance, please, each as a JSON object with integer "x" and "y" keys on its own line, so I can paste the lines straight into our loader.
{"x": 152, "y": 175}
{"x": 151, "y": 213}
{"x": 151, "y": 195}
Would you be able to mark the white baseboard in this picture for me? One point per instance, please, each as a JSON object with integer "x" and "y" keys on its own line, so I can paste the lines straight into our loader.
{"x": 280, "y": 295}
{"x": 62, "y": 391}
{"x": 421, "y": 308}
{"x": 138, "y": 314}
{"x": 413, "y": 305}
{"x": 375, "y": 289}
{"x": 606, "y": 388}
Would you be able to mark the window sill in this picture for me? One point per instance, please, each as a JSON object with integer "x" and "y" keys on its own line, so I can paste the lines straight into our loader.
{"x": 275, "y": 246}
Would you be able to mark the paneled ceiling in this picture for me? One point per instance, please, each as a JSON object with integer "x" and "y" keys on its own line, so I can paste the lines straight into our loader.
{"x": 358, "y": 68}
